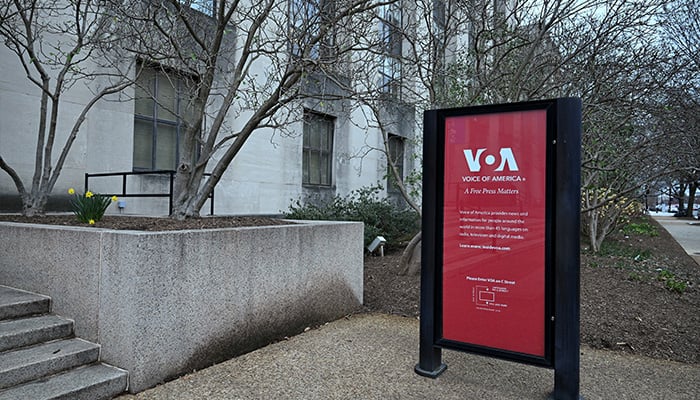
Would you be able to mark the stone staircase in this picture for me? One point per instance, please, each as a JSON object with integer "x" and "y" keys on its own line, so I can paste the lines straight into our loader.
{"x": 41, "y": 359}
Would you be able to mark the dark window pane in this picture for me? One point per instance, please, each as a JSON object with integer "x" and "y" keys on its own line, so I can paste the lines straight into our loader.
{"x": 143, "y": 144}
{"x": 315, "y": 136}
{"x": 144, "y": 93}
{"x": 307, "y": 136}
{"x": 325, "y": 133}
{"x": 305, "y": 168}
{"x": 317, "y": 149}
{"x": 166, "y": 143}
{"x": 325, "y": 178}
{"x": 396, "y": 154}
{"x": 167, "y": 98}
{"x": 314, "y": 168}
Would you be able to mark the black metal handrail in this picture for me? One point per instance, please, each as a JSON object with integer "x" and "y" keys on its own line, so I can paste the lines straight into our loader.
{"x": 123, "y": 193}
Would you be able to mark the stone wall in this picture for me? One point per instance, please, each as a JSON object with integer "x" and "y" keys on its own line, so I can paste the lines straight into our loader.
{"x": 164, "y": 303}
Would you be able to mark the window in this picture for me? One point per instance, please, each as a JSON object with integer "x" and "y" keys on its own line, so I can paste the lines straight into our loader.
{"x": 204, "y": 6}
{"x": 307, "y": 17}
{"x": 162, "y": 112}
{"x": 440, "y": 27}
{"x": 390, "y": 25}
{"x": 318, "y": 149}
{"x": 440, "y": 42}
{"x": 396, "y": 153}
{"x": 390, "y": 34}
{"x": 390, "y": 76}
{"x": 440, "y": 18}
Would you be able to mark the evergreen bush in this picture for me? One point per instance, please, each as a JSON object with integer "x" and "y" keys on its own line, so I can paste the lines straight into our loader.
{"x": 380, "y": 216}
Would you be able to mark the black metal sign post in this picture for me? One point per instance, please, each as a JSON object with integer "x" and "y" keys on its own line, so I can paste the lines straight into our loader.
{"x": 527, "y": 156}
{"x": 430, "y": 357}
{"x": 567, "y": 251}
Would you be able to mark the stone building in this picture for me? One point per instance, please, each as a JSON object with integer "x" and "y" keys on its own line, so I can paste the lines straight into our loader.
{"x": 326, "y": 146}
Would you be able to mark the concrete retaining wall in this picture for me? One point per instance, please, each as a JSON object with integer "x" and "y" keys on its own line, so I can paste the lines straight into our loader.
{"x": 164, "y": 303}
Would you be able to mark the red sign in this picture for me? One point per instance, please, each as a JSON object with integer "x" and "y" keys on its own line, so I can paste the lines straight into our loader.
{"x": 493, "y": 277}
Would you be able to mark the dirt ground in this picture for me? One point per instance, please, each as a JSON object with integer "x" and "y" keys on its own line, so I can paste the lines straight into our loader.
{"x": 640, "y": 295}
{"x": 147, "y": 223}
{"x": 626, "y": 302}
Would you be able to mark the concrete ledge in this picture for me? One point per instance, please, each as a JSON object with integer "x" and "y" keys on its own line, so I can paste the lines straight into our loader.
{"x": 164, "y": 303}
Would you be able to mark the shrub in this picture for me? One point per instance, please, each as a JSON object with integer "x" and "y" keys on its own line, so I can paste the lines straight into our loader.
{"x": 381, "y": 217}
{"x": 606, "y": 211}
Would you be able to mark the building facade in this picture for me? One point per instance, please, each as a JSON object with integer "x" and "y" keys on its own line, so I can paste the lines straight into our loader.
{"x": 328, "y": 145}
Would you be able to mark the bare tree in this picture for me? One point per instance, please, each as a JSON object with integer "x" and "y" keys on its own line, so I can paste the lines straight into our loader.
{"x": 607, "y": 52}
{"x": 246, "y": 66}
{"x": 621, "y": 142}
{"x": 682, "y": 29}
{"x": 680, "y": 117}
{"x": 58, "y": 45}
{"x": 387, "y": 89}
{"x": 678, "y": 123}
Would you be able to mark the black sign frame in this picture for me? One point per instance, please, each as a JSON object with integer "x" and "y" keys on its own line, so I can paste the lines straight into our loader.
{"x": 562, "y": 234}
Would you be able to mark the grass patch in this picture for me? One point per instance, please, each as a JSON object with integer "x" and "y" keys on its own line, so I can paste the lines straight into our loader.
{"x": 615, "y": 248}
{"x": 643, "y": 254}
{"x": 640, "y": 228}
{"x": 637, "y": 276}
{"x": 672, "y": 282}
{"x": 619, "y": 249}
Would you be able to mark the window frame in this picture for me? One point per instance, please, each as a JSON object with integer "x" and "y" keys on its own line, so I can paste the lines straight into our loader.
{"x": 201, "y": 6}
{"x": 391, "y": 22}
{"x": 308, "y": 149}
{"x": 305, "y": 20}
{"x": 151, "y": 94}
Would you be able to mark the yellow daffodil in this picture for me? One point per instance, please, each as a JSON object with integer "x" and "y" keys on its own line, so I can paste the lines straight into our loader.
{"x": 88, "y": 194}
{"x": 71, "y": 191}
{"x": 91, "y": 222}
{"x": 114, "y": 198}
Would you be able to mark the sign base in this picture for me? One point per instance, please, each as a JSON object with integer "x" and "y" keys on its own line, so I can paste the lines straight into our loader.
{"x": 552, "y": 396}
{"x": 430, "y": 374}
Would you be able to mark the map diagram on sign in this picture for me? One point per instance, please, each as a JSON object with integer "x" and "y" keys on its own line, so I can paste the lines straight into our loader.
{"x": 490, "y": 298}
{"x": 484, "y": 296}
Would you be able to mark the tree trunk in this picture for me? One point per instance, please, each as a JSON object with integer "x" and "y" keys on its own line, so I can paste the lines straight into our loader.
{"x": 692, "y": 189}
{"x": 34, "y": 205}
{"x": 592, "y": 230}
{"x": 405, "y": 260}
{"x": 680, "y": 195}
{"x": 184, "y": 204}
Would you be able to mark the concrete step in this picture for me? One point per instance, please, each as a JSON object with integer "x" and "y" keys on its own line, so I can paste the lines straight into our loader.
{"x": 15, "y": 303}
{"x": 38, "y": 361}
{"x": 92, "y": 382}
{"x": 24, "y": 332}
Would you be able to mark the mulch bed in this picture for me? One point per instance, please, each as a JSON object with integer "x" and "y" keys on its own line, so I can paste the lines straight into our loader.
{"x": 625, "y": 306}
{"x": 626, "y": 303}
{"x": 148, "y": 223}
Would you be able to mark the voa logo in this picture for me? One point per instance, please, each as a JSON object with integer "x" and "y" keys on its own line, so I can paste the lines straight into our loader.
{"x": 505, "y": 155}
